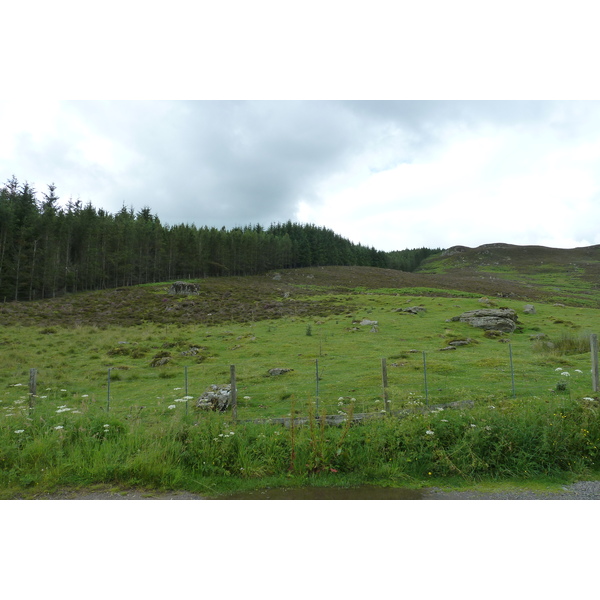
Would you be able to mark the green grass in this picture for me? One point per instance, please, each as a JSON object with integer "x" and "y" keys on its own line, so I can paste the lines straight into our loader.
{"x": 157, "y": 439}
{"x": 349, "y": 360}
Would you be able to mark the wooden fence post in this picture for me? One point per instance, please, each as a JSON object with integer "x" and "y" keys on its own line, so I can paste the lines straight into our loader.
{"x": 108, "y": 391}
{"x": 32, "y": 386}
{"x": 594, "y": 349}
{"x": 384, "y": 378}
{"x": 512, "y": 371}
{"x": 425, "y": 378}
{"x": 317, "y": 383}
{"x": 185, "y": 369}
{"x": 233, "y": 393}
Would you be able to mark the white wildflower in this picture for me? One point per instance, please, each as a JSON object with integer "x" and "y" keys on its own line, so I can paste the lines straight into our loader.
{"x": 429, "y": 432}
{"x": 59, "y": 427}
{"x": 566, "y": 374}
{"x": 171, "y": 406}
{"x": 19, "y": 430}
{"x": 444, "y": 420}
{"x": 578, "y": 371}
{"x": 558, "y": 369}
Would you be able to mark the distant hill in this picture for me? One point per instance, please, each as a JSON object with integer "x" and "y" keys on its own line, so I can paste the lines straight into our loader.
{"x": 570, "y": 276}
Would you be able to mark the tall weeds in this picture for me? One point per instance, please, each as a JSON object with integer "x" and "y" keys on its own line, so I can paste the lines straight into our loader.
{"x": 514, "y": 439}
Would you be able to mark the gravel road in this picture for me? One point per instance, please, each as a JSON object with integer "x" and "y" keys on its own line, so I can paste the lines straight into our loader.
{"x": 582, "y": 490}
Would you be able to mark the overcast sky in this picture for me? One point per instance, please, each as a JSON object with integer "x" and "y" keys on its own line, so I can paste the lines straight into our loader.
{"x": 388, "y": 174}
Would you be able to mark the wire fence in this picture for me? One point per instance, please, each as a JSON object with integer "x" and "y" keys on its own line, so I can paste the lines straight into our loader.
{"x": 324, "y": 386}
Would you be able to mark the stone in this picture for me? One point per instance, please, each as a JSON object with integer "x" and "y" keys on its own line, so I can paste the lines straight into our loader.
{"x": 538, "y": 336}
{"x": 457, "y": 343}
{"x": 413, "y": 310}
{"x": 368, "y": 322}
{"x": 278, "y": 371}
{"x": 161, "y": 359}
{"x": 498, "y": 319}
{"x": 529, "y": 309}
{"x": 216, "y": 398}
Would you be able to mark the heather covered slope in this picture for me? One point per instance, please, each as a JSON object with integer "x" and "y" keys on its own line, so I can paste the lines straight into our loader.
{"x": 293, "y": 292}
{"x": 528, "y": 273}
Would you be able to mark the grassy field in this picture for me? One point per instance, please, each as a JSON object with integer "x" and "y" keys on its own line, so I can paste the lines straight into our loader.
{"x": 146, "y": 431}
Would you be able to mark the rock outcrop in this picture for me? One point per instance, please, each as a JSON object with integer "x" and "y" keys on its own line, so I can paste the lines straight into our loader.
{"x": 216, "y": 397}
{"x": 184, "y": 288}
{"x": 498, "y": 319}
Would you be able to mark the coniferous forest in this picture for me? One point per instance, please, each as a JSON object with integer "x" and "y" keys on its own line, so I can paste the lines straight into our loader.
{"x": 48, "y": 249}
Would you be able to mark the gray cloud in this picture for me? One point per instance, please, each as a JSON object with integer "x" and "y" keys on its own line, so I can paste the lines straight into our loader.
{"x": 235, "y": 163}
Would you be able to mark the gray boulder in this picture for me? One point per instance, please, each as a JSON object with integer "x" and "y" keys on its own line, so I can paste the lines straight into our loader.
{"x": 498, "y": 319}
{"x": 529, "y": 309}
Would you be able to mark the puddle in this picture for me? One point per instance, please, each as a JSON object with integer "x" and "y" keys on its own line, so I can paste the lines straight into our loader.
{"x": 364, "y": 492}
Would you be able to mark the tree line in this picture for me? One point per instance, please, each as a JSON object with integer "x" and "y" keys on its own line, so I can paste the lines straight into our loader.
{"x": 48, "y": 250}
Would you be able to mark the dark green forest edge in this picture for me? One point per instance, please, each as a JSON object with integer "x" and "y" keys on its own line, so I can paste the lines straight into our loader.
{"x": 47, "y": 250}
